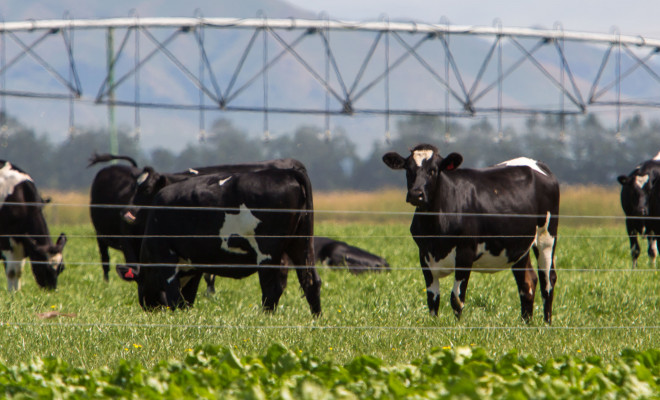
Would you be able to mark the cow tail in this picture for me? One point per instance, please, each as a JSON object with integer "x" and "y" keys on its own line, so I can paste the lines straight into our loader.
{"x": 306, "y": 225}
{"x": 105, "y": 157}
{"x": 309, "y": 279}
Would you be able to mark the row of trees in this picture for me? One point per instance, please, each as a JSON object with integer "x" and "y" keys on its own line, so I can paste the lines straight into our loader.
{"x": 588, "y": 153}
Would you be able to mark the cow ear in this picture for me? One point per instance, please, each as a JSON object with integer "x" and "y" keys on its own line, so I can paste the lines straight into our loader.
{"x": 394, "y": 160}
{"x": 127, "y": 273}
{"x": 451, "y": 162}
{"x": 622, "y": 179}
{"x": 61, "y": 241}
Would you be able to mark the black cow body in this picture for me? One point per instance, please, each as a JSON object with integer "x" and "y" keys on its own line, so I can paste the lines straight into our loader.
{"x": 113, "y": 186}
{"x": 244, "y": 235}
{"x": 336, "y": 253}
{"x": 636, "y": 189}
{"x": 24, "y": 232}
{"x": 484, "y": 220}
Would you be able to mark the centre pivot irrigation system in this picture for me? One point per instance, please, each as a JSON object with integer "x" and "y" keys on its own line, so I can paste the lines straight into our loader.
{"x": 325, "y": 67}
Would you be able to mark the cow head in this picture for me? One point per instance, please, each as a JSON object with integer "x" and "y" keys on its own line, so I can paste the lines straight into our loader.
{"x": 423, "y": 166}
{"x": 635, "y": 189}
{"x": 46, "y": 260}
{"x": 148, "y": 183}
{"x": 154, "y": 289}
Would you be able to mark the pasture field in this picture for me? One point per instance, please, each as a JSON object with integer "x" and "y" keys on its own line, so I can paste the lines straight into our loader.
{"x": 601, "y": 308}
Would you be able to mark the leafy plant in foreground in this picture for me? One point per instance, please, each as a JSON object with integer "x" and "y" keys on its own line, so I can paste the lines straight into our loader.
{"x": 214, "y": 372}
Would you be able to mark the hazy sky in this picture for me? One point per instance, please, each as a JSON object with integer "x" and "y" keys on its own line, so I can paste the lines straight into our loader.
{"x": 630, "y": 17}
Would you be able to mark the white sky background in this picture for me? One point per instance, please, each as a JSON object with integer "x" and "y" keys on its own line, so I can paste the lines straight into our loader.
{"x": 630, "y": 17}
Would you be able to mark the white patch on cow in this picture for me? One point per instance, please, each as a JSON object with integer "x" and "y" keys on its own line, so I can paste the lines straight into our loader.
{"x": 421, "y": 155}
{"x": 182, "y": 265}
{"x": 439, "y": 269}
{"x": 14, "y": 262}
{"x": 488, "y": 262}
{"x": 657, "y": 157}
{"x": 641, "y": 180}
{"x": 523, "y": 162}
{"x": 142, "y": 178}
{"x": 193, "y": 171}
{"x": 55, "y": 260}
{"x": 243, "y": 224}
{"x": 9, "y": 178}
{"x": 545, "y": 243}
{"x": 223, "y": 181}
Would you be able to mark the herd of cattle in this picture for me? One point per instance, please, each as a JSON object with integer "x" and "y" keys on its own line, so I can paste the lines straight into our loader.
{"x": 237, "y": 220}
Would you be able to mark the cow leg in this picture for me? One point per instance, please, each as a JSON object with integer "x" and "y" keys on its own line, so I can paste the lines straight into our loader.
{"x": 464, "y": 258}
{"x": 105, "y": 258}
{"x": 14, "y": 262}
{"x": 272, "y": 288}
{"x": 526, "y": 280}
{"x": 210, "y": 284}
{"x": 653, "y": 249}
{"x": 634, "y": 247}
{"x": 545, "y": 254}
{"x": 432, "y": 289}
{"x": 189, "y": 288}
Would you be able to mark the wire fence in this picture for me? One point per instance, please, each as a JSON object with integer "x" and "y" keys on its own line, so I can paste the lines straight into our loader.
{"x": 397, "y": 237}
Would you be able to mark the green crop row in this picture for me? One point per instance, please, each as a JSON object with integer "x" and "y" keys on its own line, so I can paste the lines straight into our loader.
{"x": 215, "y": 372}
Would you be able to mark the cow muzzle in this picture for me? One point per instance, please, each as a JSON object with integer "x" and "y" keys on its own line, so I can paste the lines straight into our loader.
{"x": 416, "y": 197}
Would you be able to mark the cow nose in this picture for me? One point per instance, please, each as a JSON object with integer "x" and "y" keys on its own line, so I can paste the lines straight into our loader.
{"x": 415, "y": 196}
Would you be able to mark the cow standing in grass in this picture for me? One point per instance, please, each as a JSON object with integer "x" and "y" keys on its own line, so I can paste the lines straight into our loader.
{"x": 482, "y": 220}
{"x": 231, "y": 225}
{"x": 636, "y": 189}
{"x": 23, "y": 231}
{"x": 112, "y": 188}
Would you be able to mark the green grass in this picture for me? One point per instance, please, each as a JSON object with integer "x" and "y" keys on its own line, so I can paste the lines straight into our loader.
{"x": 596, "y": 313}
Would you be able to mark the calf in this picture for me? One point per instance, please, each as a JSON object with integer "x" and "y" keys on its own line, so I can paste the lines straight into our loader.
{"x": 483, "y": 220}
{"x": 24, "y": 232}
{"x": 635, "y": 192}
{"x": 337, "y": 253}
{"x": 112, "y": 188}
{"x": 231, "y": 225}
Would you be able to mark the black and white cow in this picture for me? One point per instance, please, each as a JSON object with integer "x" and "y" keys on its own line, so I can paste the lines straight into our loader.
{"x": 635, "y": 191}
{"x": 148, "y": 182}
{"x": 230, "y": 225}
{"x": 112, "y": 188}
{"x": 337, "y": 253}
{"x": 23, "y": 231}
{"x": 483, "y": 220}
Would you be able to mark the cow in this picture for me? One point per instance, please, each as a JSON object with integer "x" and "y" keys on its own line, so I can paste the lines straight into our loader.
{"x": 23, "y": 231}
{"x": 230, "y": 225}
{"x": 337, "y": 253}
{"x": 112, "y": 189}
{"x": 484, "y": 220}
{"x": 635, "y": 191}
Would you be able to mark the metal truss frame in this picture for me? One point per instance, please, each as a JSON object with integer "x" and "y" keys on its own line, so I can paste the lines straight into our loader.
{"x": 342, "y": 95}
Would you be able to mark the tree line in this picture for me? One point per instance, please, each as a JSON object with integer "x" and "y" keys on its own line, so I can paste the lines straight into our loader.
{"x": 588, "y": 152}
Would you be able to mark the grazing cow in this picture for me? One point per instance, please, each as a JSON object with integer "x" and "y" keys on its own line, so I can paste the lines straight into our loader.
{"x": 340, "y": 254}
{"x": 483, "y": 220}
{"x": 23, "y": 231}
{"x": 231, "y": 225}
{"x": 113, "y": 186}
{"x": 113, "y": 189}
{"x": 635, "y": 191}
